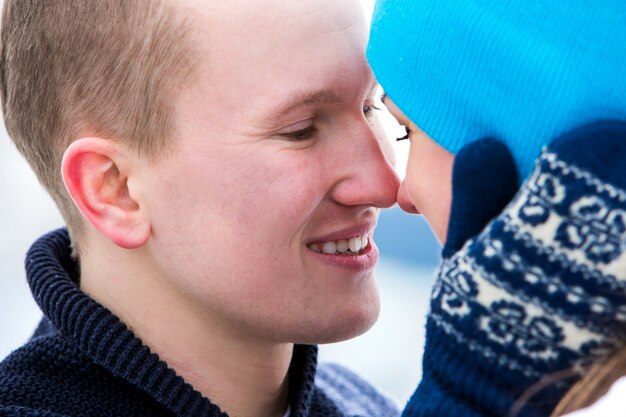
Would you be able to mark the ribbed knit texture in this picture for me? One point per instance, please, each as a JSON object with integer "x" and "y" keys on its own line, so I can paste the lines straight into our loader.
{"x": 83, "y": 361}
{"x": 541, "y": 289}
{"x": 523, "y": 72}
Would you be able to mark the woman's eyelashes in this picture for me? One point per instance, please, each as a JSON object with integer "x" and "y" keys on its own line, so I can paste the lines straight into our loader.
{"x": 383, "y": 97}
{"x": 408, "y": 134}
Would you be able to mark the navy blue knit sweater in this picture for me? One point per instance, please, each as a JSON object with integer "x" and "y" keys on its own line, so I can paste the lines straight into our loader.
{"x": 82, "y": 361}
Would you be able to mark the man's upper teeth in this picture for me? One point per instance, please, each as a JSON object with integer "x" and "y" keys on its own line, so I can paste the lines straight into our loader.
{"x": 353, "y": 245}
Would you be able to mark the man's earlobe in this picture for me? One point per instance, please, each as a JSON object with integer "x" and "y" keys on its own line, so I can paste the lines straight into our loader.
{"x": 94, "y": 173}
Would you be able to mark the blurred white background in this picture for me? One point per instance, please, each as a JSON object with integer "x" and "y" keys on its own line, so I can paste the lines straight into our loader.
{"x": 388, "y": 356}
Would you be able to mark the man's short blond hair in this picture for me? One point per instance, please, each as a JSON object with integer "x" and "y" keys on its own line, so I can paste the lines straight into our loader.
{"x": 73, "y": 68}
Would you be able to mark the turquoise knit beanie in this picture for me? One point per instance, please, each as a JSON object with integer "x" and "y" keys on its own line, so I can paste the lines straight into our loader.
{"x": 520, "y": 71}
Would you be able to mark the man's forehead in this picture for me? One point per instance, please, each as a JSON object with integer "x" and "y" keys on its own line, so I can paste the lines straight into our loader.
{"x": 265, "y": 13}
{"x": 258, "y": 32}
{"x": 242, "y": 61}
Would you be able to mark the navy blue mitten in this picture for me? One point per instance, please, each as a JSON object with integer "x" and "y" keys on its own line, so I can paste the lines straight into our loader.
{"x": 484, "y": 181}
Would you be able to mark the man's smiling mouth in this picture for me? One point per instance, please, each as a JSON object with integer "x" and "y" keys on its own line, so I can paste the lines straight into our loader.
{"x": 351, "y": 246}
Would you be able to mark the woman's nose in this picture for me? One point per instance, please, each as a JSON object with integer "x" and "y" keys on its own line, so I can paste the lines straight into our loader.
{"x": 404, "y": 200}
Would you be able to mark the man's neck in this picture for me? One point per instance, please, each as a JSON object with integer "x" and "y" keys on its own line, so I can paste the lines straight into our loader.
{"x": 244, "y": 377}
{"x": 243, "y": 382}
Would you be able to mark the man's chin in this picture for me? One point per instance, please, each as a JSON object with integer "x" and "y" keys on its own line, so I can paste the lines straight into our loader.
{"x": 342, "y": 328}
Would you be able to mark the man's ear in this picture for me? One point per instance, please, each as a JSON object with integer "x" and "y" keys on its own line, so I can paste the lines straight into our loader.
{"x": 95, "y": 173}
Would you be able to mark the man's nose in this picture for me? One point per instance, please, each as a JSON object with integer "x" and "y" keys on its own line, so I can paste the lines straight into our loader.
{"x": 369, "y": 177}
{"x": 404, "y": 200}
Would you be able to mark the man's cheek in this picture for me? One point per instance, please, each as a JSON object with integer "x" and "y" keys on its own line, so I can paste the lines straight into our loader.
{"x": 388, "y": 151}
{"x": 385, "y": 142}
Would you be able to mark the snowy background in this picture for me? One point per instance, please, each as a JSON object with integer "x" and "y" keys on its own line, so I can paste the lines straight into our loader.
{"x": 389, "y": 355}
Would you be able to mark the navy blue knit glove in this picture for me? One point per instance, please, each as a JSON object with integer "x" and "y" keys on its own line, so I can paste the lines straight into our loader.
{"x": 484, "y": 181}
{"x": 541, "y": 289}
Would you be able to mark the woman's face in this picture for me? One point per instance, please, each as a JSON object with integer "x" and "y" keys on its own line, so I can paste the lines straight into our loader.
{"x": 427, "y": 186}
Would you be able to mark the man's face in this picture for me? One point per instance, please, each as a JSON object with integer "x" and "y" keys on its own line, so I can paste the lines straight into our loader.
{"x": 278, "y": 156}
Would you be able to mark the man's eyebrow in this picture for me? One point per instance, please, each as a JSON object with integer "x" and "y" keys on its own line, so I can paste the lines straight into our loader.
{"x": 321, "y": 97}
{"x": 375, "y": 86}
{"x": 300, "y": 100}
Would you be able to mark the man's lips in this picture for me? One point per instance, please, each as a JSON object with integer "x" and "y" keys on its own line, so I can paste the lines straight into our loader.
{"x": 348, "y": 241}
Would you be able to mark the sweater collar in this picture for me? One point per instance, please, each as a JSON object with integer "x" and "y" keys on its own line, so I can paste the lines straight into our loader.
{"x": 52, "y": 275}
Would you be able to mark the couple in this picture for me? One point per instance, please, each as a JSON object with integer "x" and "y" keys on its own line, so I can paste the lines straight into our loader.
{"x": 220, "y": 168}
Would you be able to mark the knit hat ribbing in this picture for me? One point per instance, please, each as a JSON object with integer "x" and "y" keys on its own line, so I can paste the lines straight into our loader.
{"x": 523, "y": 72}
